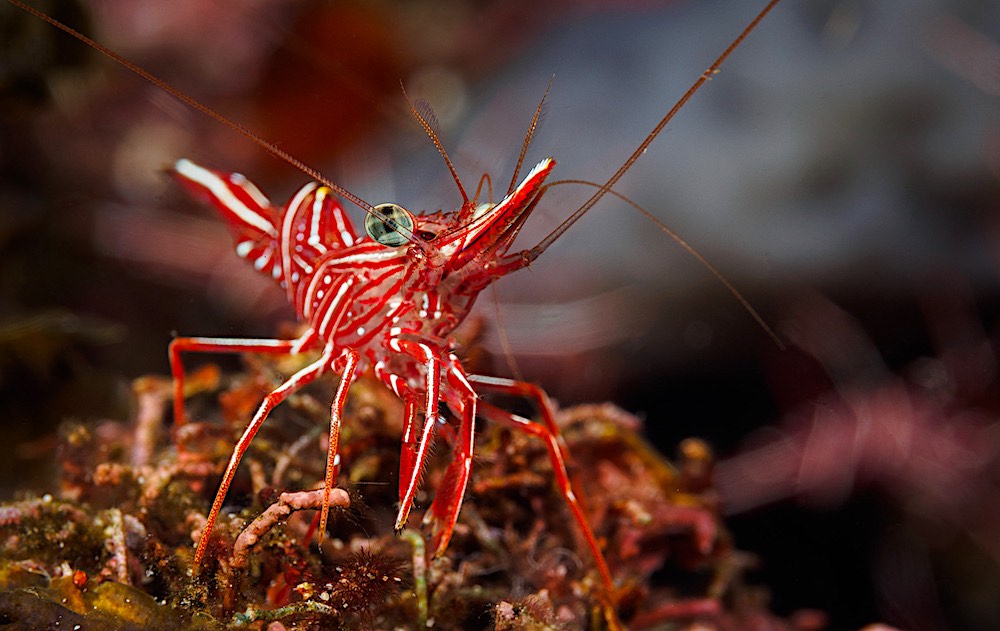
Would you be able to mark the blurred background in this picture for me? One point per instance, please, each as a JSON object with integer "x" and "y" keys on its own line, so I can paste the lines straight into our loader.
{"x": 842, "y": 171}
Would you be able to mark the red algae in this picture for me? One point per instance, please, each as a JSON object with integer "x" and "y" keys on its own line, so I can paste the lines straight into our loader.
{"x": 115, "y": 545}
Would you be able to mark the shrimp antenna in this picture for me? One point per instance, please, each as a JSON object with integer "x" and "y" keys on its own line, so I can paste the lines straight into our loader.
{"x": 204, "y": 109}
{"x": 698, "y": 256}
{"x": 429, "y": 130}
{"x": 534, "y": 252}
{"x": 528, "y": 137}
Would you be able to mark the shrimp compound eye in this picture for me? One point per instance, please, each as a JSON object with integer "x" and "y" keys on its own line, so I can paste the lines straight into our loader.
{"x": 389, "y": 224}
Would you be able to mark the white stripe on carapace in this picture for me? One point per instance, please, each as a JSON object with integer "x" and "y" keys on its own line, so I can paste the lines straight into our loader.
{"x": 538, "y": 168}
{"x": 315, "y": 238}
{"x": 220, "y": 189}
{"x": 291, "y": 211}
{"x": 301, "y": 262}
{"x": 312, "y": 295}
{"x": 342, "y": 229}
{"x": 335, "y": 306}
{"x": 366, "y": 335}
{"x": 484, "y": 221}
{"x": 259, "y": 198}
{"x": 544, "y": 164}
{"x": 376, "y": 256}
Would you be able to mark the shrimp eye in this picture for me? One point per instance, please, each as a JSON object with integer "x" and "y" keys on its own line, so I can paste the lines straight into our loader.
{"x": 389, "y": 224}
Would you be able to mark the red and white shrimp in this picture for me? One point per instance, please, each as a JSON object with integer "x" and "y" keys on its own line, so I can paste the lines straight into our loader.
{"x": 391, "y": 299}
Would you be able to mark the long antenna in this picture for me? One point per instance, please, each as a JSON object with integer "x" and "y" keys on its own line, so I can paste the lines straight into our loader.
{"x": 534, "y": 252}
{"x": 429, "y": 130}
{"x": 528, "y": 135}
{"x": 204, "y": 109}
{"x": 691, "y": 250}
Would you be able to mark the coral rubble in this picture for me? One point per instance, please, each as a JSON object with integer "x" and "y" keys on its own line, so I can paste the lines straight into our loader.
{"x": 113, "y": 548}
